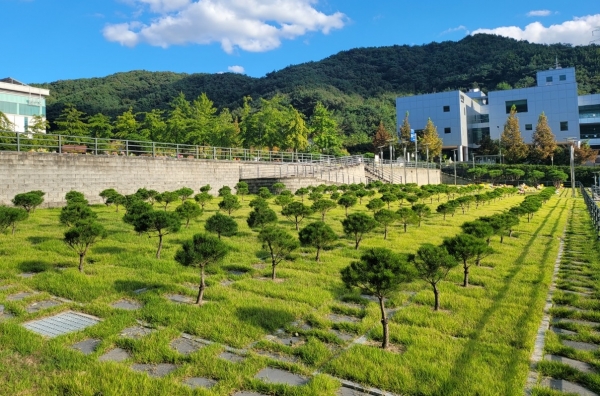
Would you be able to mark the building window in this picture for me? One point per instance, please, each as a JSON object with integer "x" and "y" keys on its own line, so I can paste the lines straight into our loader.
{"x": 528, "y": 127}
{"x": 447, "y": 130}
{"x": 446, "y": 109}
{"x": 562, "y": 77}
{"x": 462, "y": 99}
{"x": 564, "y": 125}
{"x": 521, "y": 105}
{"x": 549, "y": 79}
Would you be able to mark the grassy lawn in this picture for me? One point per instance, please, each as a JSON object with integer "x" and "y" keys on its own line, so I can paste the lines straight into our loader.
{"x": 478, "y": 343}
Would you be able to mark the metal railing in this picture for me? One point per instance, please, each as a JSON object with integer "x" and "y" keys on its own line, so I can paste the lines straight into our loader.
{"x": 64, "y": 144}
{"x": 334, "y": 170}
{"x": 592, "y": 207}
{"x": 393, "y": 171}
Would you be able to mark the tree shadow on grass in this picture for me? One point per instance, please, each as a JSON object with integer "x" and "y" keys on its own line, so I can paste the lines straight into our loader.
{"x": 108, "y": 250}
{"x": 268, "y": 319}
{"x": 130, "y": 286}
{"x": 36, "y": 240}
{"x": 462, "y": 363}
{"x": 34, "y": 266}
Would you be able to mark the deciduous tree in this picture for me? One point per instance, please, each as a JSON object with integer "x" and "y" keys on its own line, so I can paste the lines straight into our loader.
{"x": 513, "y": 146}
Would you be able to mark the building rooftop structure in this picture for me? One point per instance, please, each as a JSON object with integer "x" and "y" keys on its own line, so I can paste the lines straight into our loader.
{"x": 463, "y": 119}
{"x": 21, "y": 102}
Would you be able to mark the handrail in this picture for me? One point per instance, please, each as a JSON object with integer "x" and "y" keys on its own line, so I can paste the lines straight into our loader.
{"x": 592, "y": 207}
{"x": 65, "y": 144}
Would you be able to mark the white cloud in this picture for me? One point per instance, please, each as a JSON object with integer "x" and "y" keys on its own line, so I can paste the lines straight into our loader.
{"x": 251, "y": 25}
{"x": 539, "y": 13}
{"x": 577, "y": 31}
{"x": 456, "y": 29}
{"x": 236, "y": 69}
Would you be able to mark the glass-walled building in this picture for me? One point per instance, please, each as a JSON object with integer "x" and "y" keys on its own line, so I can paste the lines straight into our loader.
{"x": 464, "y": 119}
{"x": 20, "y": 103}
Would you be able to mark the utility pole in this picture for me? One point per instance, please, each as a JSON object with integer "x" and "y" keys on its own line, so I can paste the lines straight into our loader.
{"x": 571, "y": 141}
{"x": 454, "y": 151}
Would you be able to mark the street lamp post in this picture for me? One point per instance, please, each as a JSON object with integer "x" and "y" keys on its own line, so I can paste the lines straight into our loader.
{"x": 571, "y": 141}
{"x": 404, "y": 146}
{"x": 427, "y": 160}
{"x": 391, "y": 163}
{"x": 454, "y": 151}
{"x": 416, "y": 162}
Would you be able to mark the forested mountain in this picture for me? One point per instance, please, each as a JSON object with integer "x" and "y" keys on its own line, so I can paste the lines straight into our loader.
{"x": 358, "y": 85}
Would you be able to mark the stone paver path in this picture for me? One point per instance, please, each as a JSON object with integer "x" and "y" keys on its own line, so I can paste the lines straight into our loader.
{"x": 127, "y": 305}
{"x": 277, "y": 376}
{"x": 199, "y": 382}
{"x": 155, "y": 370}
{"x": 115, "y": 355}
{"x": 567, "y": 387}
{"x": 576, "y": 364}
{"x": 86, "y": 347}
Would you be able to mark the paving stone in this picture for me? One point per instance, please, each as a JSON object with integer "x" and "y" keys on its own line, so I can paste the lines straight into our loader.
{"x": 560, "y": 331}
{"x": 567, "y": 387}
{"x": 155, "y": 370}
{"x": 232, "y": 357}
{"x": 248, "y": 393}
{"x": 301, "y": 325}
{"x": 259, "y": 266}
{"x": 278, "y": 356}
{"x": 6, "y": 316}
{"x": 199, "y": 382}
{"x": 576, "y": 321}
{"x": 38, "y": 306}
{"x": 581, "y": 346}
{"x": 227, "y": 282}
{"x": 179, "y": 299}
{"x": 62, "y": 323}
{"x": 335, "y": 318}
{"x": 370, "y": 298}
{"x": 277, "y": 376}
{"x": 27, "y": 275}
{"x": 86, "y": 346}
{"x": 185, "y": 346}
{"x": 136, "y": 332}
{"x": 127, "y": 305}
{"x": 140, "y": 291}
{"x": 286, "y": 339}
{"x": 19, "y": 296}
{"x": 6, "y": 287}
{"x": 238, "y": 273}
{"x": 1, "y": 309}
{"x": 115, "y": 355}
{"x": 576, "y": 364}
{"x": 359, "y": 390}
{"x": 343, "y": 336}
{"x": 344, "y": 391}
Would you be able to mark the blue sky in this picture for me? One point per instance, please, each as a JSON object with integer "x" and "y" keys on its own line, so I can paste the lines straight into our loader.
{"x": 49, "y": 40}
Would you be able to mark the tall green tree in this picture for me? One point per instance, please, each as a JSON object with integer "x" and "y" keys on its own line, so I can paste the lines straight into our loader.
{"x": 5, "y": 123}
{"x": 379, "y": 272}
{"x": 201, "y": 251}
{"x": 100, "y": 126}
{"x": 514, "y": 148}
{"x": 71, "y": 122}
{"x": 38, "y": 124}
{"x": 153, "y": 127}
{"x": 126, "y": 126}
{"x": 324, "y": 130}
{"x": 202, "y": 122}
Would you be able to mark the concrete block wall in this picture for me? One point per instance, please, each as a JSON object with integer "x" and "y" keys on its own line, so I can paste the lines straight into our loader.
{"x": 56, "y": 174}
{"x": 291, "y": 183}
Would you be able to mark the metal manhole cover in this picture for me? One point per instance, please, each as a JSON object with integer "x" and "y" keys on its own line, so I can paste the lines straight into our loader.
{"x": 63, "y": 323}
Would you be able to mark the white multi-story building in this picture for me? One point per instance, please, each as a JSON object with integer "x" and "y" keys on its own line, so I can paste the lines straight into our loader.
{"x": 20, "y": 102}
{"x": 464, "y": 118}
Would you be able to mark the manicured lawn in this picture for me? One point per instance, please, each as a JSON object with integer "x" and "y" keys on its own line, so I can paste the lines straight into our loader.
{"x": 478, "y": 343}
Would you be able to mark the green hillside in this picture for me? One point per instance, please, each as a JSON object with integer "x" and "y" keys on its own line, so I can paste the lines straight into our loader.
{"x": 359, "y": 85}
